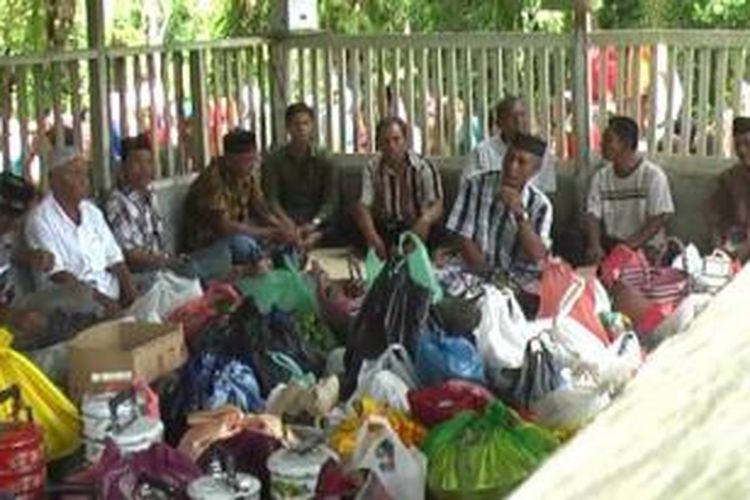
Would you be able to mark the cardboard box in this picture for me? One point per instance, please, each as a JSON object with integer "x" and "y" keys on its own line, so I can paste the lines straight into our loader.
{"x": 116, "y": 350}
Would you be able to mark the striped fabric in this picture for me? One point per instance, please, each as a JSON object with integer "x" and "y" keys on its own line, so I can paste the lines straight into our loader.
{"x": 400, "y": 196}
{"x": 479, "y": 214}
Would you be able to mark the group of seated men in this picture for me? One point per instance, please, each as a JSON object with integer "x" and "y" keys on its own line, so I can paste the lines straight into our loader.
{"x": 501, "y": 218}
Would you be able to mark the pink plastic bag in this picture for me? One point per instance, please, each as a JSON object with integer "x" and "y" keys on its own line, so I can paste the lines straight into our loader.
{"x": 557, "y": 278}
{"x": 195, "y": 315}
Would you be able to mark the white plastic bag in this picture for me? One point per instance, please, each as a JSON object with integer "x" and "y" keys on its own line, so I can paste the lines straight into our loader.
{"x": 503, "y": 331}
{"x": 168, "y": 292}
{"x": 402, "y": 471}
{"x": 570, "y": 407}
{"x": 388, "y": 379}
{"x": 708, "y": 273}
{"x": 682, "y": 317}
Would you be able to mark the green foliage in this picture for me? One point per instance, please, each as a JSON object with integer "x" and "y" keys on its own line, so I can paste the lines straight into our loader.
{"x": 715, "y": 14}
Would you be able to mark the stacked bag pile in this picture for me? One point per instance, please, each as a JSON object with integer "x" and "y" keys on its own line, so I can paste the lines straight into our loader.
{"x": 410, "y": 383}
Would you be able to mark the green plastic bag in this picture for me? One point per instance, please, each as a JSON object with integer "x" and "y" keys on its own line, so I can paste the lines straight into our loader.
{"x": 420, "y": 265}
{"x": 484, "y": 455}
{"x": 418, "y": 262}
{"x": 288, "y": 289}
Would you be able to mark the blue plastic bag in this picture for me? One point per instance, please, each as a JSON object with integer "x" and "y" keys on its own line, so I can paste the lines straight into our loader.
{"x": 440, "y": 358}
{"x": 218, "y": 380}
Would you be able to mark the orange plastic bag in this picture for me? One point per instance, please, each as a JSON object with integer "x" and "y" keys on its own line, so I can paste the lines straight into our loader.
{"x": 557, "y": 278}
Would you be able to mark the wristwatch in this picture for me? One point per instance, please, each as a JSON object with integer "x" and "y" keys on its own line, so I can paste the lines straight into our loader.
{"x": 317, "y": 221}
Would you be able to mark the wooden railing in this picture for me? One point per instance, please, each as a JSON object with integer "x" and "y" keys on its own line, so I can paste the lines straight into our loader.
{"x": 683, "y": 87}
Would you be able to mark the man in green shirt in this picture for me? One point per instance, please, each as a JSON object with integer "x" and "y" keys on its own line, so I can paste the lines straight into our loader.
{"x": 299, "y": 180}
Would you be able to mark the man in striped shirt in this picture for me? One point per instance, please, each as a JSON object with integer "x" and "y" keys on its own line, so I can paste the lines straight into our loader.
{"x": 503, "y": 219}
{"x": 400, "y": 191}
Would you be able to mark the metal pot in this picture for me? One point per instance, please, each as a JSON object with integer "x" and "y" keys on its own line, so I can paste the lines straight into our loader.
{"x": 117, "y": 416}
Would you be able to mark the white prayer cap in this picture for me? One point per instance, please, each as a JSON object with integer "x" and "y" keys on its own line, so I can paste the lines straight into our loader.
{"x": 62, "y": 156}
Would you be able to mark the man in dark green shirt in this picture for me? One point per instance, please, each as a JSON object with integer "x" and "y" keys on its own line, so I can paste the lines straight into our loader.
{"x": 300, "y": 182}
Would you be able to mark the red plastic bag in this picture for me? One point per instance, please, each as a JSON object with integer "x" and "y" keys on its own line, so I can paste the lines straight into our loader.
{"x": 626, "y": 265}
{"x": 195, "y": 315}
{"x": 557, "y": 277}
{"x": 435, "y": 405}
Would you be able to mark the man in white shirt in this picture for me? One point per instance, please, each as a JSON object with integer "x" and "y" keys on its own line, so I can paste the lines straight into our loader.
{"x": 628, "y": 202}
{"x": 74, "y": 230}
{"x": 511, "y": 119}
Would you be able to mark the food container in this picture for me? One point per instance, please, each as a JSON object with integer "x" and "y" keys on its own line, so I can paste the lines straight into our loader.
{"x": 294, "y": 472}
{"x": 118, "y": 416}
{"x": 225, "y": 487}
{"x": 22, "y": 464}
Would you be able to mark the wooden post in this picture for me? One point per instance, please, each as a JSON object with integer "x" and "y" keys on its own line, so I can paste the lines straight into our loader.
{"x": 581, "y": 104}
{"x": 100, "y": 122}
{"x": 199, "y": 120}
{"x": 279, "y": 76}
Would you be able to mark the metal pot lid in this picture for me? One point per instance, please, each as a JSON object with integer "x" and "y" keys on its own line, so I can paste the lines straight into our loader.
{"x": 220, "y": 488}
{"x": 140, "y": 430}
{"x": 293, "y": 461}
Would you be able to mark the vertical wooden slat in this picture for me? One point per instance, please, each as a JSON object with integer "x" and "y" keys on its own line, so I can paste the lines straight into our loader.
{"x": 720, "y": 86}
{"x": 183, "y": 154}
{"x": 343, "y": 109}
{"x": 738, "y": 64}
{"x": 215, "y": 103}
{"x": 410, "y": 106}
{"x": 424, "y": 93}
{"x": 501, "y": 84}
{"x": 40, "y": 115}
{"x": 635, "y": 85}
{"x": 167, "y": 110}
{"x": 301, "y": 78}
{"x": 329, "y": 96}
{"x": 483, "y": 93}
{"x": 560, "y": 108}
{"x": 382, "y": 98}
{"x": 622, "y": 77}
{"x": 439, "y": 94}
{"x": 315, "y": 89}
{"x": 396, "y": 83}
{"x": 528, "y": 91}
{"x": 653, "y": 95}
{"x": 452, "y": 99}
{"x": 265, "y": 125}
{"x": 231, "y": 110}
{"x": 75, "y": 103}
{"x": 23, "y": 110}
{"x": 496, "y": 61}
{"x": 687, "y": 113}
{"x": 121, "y": 72}
{"x": 469, "y": 105}
{"x": 369, "y": 99}
{"x": 356, "y": 96}
{"x": 57, "y": 104}
{"x": 240, "y": 94}
{"x": 154, "y": 114}
{"x": 703, "y": 94}
{"x": 198, "y": 91}
{"x": 671, "y": 82}
{"x": 602, "y": 121}
{"x": 5, "y": 78}
{"x": 513, "y": 69}
{"x": 138, "y": 76}
{"x": 545, "y": 89}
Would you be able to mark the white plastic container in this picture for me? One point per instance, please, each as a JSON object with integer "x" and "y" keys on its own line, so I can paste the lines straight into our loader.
{"x": 294, "y": 473}
{"x": 220, "y": 487}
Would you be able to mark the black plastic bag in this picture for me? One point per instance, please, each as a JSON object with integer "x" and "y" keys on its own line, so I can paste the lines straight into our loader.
{"x": 395, "y": 310}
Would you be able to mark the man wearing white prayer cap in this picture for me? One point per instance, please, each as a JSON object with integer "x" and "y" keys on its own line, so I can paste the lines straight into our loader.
{"x": 74, "y": 230}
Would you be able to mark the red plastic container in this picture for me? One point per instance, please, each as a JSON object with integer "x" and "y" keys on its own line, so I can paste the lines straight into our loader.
{"x": 22, "y": 463}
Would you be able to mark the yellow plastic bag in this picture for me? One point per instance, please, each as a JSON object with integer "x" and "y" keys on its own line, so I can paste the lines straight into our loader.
{"x": 344, "y": 438}
{"x": 54, "y": 412}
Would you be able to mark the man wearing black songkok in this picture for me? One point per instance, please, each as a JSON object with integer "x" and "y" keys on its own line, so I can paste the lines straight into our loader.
{"x": 730, "y": 204}
{"x": 503, "y": 220}
{"x": 225, "y": 204}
